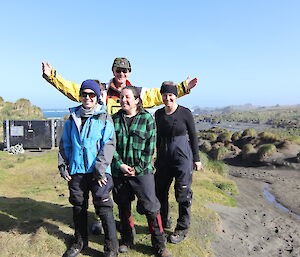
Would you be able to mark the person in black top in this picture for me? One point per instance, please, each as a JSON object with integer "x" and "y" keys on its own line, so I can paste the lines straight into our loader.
{"x": 177, "y": 155}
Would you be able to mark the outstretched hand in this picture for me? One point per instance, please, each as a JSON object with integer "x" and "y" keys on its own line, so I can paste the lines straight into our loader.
{"x": 46, "y": 68}
{"x": 191, "y": 82}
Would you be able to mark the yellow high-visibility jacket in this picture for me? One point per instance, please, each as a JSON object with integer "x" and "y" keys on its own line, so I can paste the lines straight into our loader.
{"x": 150, "y": 97}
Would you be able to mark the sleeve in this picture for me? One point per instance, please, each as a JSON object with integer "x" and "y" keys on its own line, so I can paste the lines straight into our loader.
{"x": 107, "y": 148}
{"x": 147, "y": 153}
{"x": 65, "y": 147}
{"x": 152, "y": 97}
{"x": 157, "y": 115}
{"x": 192, "y": 134}
{"x": 118, "y": 160}
{"x": 68, "y": 88}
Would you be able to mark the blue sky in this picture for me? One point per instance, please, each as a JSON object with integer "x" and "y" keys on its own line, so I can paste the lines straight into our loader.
{"x": 243, "y": 51}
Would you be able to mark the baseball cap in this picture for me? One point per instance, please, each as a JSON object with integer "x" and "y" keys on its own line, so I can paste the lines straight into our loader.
{"x": 121, "y": 62}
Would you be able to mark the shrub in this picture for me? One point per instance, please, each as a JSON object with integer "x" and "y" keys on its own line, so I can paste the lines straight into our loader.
{"x": 266, "y": 151}
{"x": 249, "y": 132}
{"x": 209, "y": 136}
{"x": 268, "y": 137}
{"x": 247, "y": 150}
{"x": 224, "y": 137}
{"x": 236, "y": 136}
{"x": 219, "y": 154}
{"x": 206, "y": 147}
{"x": 213, "y": 166}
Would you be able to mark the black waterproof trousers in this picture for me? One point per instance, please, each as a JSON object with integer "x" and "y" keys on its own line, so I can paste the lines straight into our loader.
{"x": 124, "y": 192}
{"x": 79, "y": 186}
{"x": 174, "y": 161}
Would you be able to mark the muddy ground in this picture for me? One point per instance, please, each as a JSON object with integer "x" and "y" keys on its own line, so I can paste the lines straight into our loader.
{"x": 258, "y": 227}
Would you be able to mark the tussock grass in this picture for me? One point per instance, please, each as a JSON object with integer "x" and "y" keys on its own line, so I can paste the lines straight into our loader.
{"x": 36, "y": 218}
{"x": 266, "y": 150}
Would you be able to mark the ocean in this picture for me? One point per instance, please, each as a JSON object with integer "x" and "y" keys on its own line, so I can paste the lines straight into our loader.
{"x": 55, "y": 113}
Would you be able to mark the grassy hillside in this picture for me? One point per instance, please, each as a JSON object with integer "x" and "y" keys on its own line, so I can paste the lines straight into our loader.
{"x": 22, "y": 109}
{"x": 35, "y": 216}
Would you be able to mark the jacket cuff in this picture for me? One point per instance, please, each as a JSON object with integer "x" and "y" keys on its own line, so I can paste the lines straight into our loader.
{"x": 185, "y": 87}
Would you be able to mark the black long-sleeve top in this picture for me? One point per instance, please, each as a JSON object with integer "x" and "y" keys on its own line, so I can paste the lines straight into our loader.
{"x": 179, "y": 123}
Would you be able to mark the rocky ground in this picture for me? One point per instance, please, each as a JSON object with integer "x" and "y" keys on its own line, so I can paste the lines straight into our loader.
{"x": 257, "y": 226}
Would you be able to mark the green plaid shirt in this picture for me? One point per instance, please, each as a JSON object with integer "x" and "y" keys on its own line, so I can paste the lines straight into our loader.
{"x": 136, "y": 144}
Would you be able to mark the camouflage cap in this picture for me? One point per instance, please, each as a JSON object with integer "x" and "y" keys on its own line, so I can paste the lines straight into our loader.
{"x": 121, "y": 62}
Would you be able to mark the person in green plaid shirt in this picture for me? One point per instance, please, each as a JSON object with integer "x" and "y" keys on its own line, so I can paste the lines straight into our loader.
{"x": 132, "y": 170}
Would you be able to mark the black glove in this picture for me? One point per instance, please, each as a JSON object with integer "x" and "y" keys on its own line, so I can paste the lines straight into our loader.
{"x": 63, "y": 172}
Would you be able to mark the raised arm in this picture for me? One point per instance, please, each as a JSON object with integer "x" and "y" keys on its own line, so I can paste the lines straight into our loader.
{"x": 152, "y": 97}
{"x": 68, "y": 88}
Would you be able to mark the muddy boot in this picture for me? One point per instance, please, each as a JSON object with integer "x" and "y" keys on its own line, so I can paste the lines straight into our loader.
{"x": 178, "y": 236}
{"x": 111, "y": 244}
{"x": 127, "y": 239}
{"x": 76, "y": 248}
{"x": 163, "y": 253}
{"x": 81, "y": 233}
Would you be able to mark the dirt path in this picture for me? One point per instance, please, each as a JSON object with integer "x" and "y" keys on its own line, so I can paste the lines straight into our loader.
{"x": 257, "y": 227}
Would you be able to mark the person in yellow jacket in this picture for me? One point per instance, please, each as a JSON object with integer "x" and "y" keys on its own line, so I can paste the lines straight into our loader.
{"x": 110, "y": 96}
{"x": 121, "y": 69}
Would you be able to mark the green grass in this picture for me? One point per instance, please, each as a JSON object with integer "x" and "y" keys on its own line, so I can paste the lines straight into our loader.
{"x": 36, "y": 217}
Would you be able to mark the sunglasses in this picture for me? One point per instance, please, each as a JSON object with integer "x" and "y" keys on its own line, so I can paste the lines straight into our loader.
{"x": 119, "y": 70}
{"x": 85, "y": 94}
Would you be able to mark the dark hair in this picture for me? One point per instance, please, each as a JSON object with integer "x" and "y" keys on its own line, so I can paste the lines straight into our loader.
{"x": 136, "y": 95}
{"x": 102, "y": 88}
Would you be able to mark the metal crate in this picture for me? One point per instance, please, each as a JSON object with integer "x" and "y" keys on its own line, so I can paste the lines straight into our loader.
{"x": 32, "y": 134}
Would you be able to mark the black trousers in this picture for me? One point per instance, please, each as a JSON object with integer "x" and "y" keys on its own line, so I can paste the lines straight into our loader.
{"x": 79, "y": 186}
{"x": 164, "y": 175}
{"x": 143, "y": 187}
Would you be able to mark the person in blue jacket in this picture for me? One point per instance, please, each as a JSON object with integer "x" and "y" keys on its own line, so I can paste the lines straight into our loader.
{"x": 86, "y": 150}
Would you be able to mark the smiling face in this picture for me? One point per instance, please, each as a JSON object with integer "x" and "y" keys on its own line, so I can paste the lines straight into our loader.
{"x": 88, "y": 98}
{"x": 121, "y": 75}
{"x": 169, "y": 99}
{"x": 128, "y": 102}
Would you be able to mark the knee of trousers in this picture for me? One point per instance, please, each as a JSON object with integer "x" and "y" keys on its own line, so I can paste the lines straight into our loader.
{"x": 152, "y": 215}
{"x": 79, "y": 201}
{"x": 183, "y": 193}
{"x": 103, "y": 202}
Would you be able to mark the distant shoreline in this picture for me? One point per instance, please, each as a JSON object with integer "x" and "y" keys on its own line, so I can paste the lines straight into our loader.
{"x": 55, "y": 113}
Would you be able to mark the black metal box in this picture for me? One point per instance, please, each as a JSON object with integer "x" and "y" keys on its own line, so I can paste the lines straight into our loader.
{"x": 32, "y": 134}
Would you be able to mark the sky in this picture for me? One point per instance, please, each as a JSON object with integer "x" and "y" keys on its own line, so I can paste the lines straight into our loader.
{"x": 242, "y": 51}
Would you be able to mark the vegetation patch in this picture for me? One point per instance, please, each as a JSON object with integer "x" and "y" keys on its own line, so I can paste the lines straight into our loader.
{"x": 35, "y": 212}
{"x": 266, "y": 151}
{"x": 249, "y": 132}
